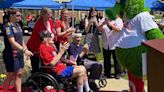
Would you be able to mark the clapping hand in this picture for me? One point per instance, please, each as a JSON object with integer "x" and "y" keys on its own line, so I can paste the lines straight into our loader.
{"x": 85, "y": 48}
{"x": 63, "y": 47}
{"x": 105, "y": 21}
{"x": 93, "y": 20}
{"x": 71, "y": 30}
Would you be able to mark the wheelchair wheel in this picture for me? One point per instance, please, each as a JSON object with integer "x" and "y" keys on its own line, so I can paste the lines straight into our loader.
{"x": 102, "y": 83}
{"x": 40, "y": 82}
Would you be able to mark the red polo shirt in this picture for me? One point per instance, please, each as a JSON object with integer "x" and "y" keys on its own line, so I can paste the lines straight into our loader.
{"x": 47, "y": 54}
{"x": 34, "y": 41}
{"x": 64, "y": 38}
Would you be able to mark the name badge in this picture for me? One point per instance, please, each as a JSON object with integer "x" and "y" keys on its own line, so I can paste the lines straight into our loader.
{"x": 14, "y": 29}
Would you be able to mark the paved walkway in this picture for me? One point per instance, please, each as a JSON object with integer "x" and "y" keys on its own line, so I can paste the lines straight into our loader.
{"x": 119, "y": 85}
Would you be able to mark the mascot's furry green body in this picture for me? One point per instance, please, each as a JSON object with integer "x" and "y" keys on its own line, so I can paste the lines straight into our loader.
{"x": 139, "y": 26}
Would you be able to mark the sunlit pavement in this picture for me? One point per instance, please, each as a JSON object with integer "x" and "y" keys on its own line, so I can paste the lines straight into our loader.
{"x": 117, "y": 85}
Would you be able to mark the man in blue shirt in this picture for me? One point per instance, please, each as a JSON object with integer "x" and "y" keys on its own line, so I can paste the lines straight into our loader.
{"x": 77, "y": 49}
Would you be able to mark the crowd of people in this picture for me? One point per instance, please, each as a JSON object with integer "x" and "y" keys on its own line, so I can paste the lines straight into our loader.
{"x": 50, "y": 42}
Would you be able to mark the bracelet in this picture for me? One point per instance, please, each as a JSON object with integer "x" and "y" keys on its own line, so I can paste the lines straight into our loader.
{"x": 21, "y": 50}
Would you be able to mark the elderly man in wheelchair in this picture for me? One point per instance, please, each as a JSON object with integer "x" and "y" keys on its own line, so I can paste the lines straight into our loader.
{"x": 51, "y": 58}
{"x": 77, "y": 49}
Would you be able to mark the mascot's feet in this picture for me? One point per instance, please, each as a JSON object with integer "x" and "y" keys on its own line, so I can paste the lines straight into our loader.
{"x": 136, "y": 84}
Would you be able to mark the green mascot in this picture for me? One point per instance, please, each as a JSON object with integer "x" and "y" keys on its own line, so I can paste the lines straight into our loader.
{"x": 138, "y": 27}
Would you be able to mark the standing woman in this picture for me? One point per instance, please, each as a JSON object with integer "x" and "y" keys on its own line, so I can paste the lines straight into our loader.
{"x": 62, "y": 27}
{"x": 44, "y": 22}
{"x": 14, "y": 50}
{"x": 91, "y": 29}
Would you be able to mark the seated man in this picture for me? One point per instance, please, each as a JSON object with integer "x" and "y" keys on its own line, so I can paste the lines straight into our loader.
{"x": 76, "y": 48}
{"x": 51, "y": 57}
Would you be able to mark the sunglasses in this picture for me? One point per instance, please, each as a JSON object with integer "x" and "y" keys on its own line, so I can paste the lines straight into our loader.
{"x": 18, "y": 15}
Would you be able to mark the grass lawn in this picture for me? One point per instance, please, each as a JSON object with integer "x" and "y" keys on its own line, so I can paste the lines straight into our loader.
{"x": 100, "y": 55}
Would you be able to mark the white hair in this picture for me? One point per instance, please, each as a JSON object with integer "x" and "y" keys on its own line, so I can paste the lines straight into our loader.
{"x": 76, "y": 35}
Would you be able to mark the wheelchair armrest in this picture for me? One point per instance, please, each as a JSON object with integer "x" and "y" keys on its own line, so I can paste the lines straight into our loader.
{"x": 80, "y": 61}
{"x": 46, "y": 67}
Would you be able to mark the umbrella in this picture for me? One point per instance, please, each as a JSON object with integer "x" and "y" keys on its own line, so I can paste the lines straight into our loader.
{"x": 158, "y": 6}
{"x": 87, "y": 4}
{"x": 37, "y": 4}
{"x": 7, "y": 3}
{"x": 149, "y": 3}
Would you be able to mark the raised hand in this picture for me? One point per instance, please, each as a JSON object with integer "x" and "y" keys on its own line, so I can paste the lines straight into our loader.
{"x": 63, "y": 47}
{"x": 71, "y": 30}
{"x": 85, "y": 48}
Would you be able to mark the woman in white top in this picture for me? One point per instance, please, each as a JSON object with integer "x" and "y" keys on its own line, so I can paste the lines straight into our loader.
{"x": 110, "y": 35}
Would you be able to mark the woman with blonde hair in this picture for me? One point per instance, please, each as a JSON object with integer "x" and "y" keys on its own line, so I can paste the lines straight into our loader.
{"x": 44, "y": 22}
{"x": 62, "y": 27}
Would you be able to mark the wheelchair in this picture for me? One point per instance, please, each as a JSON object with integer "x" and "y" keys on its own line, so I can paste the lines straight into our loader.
{"x": 101, "y": 81}
{"x": 43, "y": 81}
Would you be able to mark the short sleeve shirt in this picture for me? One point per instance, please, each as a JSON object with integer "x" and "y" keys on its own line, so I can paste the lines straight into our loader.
{"x": 47, "y": 53}
{"x": 114, "y": 36}
{"x": 64, "y": 38}
{"x": 74, "y": 49}
{"x": 11, "y": 30}
{"x": 134, "y": 34}
{"x": 105, "y": 35}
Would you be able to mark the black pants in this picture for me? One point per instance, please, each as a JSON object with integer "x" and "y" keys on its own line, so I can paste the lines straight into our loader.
{"x": 107, "y": 62}
{"x": 94, "y": 67}
{"x": 35, "y": 63}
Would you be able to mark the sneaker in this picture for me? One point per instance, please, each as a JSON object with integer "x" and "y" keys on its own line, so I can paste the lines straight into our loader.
{"x": 117, "y": 76}
{"x": 123, "y": 74}
{"x": 93, "y": 86}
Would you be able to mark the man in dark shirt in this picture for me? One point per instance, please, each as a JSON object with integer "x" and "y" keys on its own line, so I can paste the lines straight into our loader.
{"x": 76, "y": 48}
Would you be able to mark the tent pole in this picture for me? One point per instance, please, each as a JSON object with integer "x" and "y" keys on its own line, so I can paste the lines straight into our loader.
{"x": 73, "y": 13}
